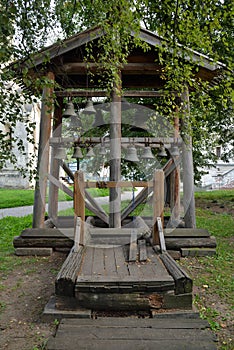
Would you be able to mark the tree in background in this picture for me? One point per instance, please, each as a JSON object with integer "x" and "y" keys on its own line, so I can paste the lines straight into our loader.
{"x": 28, "y": 26}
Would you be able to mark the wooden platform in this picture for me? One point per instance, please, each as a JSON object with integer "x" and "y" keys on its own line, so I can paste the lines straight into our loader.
{"x": 128, "y": 277}
{"x": 132, "y": 334}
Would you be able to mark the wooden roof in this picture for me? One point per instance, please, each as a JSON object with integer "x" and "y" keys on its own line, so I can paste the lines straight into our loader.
{"x": 66, "y": 60}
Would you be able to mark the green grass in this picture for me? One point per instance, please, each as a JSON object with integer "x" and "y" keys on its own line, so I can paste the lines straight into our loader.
{"x": 9, "y": 228}
{"x": 217, "y": 195}
{"x": 214, "y": 275}
{"x": 10, "y": 198}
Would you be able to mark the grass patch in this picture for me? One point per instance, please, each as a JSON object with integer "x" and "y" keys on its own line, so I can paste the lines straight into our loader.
{"x": 9, "y": 228}
{"x": 213, "y": 276}
{"x": 216, "y": 195}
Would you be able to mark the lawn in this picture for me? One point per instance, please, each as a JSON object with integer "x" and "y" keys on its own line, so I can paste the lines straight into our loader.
{"x": 10, "y": 198}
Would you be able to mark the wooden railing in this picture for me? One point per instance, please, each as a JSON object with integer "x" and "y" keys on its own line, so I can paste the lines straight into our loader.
{"x": 80, "y": 186}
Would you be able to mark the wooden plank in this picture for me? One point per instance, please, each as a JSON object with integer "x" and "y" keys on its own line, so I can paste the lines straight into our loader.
{"x": 121, "y": 265}
{"x": 198, "y": 252}
{"x": 42, "y": 232}
{"x": 66, "y": 278}
{"x": 133, "y": 333}
{"x": 60, "y": 185}
{"x": 158, "y": 203}
{"x": 161, "y": 235}
{"x": 117, "y": 184}
{"x": 87, "y": 266}
{"x": 136, "y": 277}
{"x": 98, "y": 262}
{"x": 68, "y": 344}
{"x": 42, "y": 242}
{"x": 110, "y": 262}
{"x": 33, "y": 251}
{"x": 183, "y": 282}
{"x": 79, "y": 202}
{"x": 106, "y": 333}
{"x": 157, "y": 267}
{"x": 177, "y": 243}
{"x": 186, "y": 232}
{"x": 129, "y": 322}
{"x": 142, "y": 250}
{"x": 133, "y": 246}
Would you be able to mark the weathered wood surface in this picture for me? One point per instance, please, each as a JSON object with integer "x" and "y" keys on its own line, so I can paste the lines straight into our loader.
{"x": 40, "y": 242}
{"x": 43, "y": 154}
{"x": 33, "y": 251}
{"x": 107, "y": 270}
{"x": 132, "y": 334}
{"x": 177, "y": 243}
{"x": 66, "y": 278}
{"x": 158, "y": 203}
{"x": 161, "y": 235}
{"x": 186, "y": 232}
{"x": 183, "y": 283}
{"x": 142, "y": 250}
{"x": 133, "y": 246}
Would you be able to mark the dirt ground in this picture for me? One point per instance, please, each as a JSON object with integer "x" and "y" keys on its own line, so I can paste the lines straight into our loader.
{"x": 24, "y": 293}
{"x": 27, "y": 288}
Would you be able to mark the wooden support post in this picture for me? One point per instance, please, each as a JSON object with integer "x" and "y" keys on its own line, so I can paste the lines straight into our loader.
{"x": 43, "y": 155}
{"x": 175, "y": 182}
{"x": 79, "y": 204}
{"x": 115, "y": 160}
{"x": 187, "y": 158}
{"x": 158, "y": 203}
{"x": 55, "y": 163}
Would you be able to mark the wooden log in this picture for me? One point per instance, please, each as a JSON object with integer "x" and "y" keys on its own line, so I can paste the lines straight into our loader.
{"x": 30, "y": 233}
{"x": 66, "y": 278}
{"x": 177, "y": 243}
{"x": 79, "y": 202}
{"x": 115, "y": 159}
{"x": 120, "y": 301}
{"x": 158, "y": 203}
{"x": 198, "y": 252}
{"x": 183, "y": 283}
{"x": 186, "y": 233}
{"x": 187, "y": 158}
{"x": 33, "y": 251}
{"x": 55, "y": 163}
{"x": 42, "y": 242}
{"x": 43, "y": 156}
{"x": 179, "y": 301}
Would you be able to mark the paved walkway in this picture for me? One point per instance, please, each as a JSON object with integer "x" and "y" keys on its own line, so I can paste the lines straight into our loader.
{"x": 23, "y": 211}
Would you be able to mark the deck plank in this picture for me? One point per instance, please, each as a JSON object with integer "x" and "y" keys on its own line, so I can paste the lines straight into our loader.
{"x": 121, "y": 265}
{"x": 87, "y": 265}
{"x": 133, "y": 334}
{"x": 98, "y": 262}
{"x": 109, "y": 262}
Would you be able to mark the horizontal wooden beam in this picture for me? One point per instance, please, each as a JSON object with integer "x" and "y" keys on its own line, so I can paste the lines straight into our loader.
{"x": 153, "y": 141}
{"x": 104, "y": 93}
{"x": 117, "y": 184}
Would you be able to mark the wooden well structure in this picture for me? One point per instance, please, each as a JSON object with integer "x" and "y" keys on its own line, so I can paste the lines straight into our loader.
{"x": 140, "y": 77}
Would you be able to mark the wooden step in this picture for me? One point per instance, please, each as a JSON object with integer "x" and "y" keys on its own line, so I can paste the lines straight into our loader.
{"x": 132, "y": 334}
